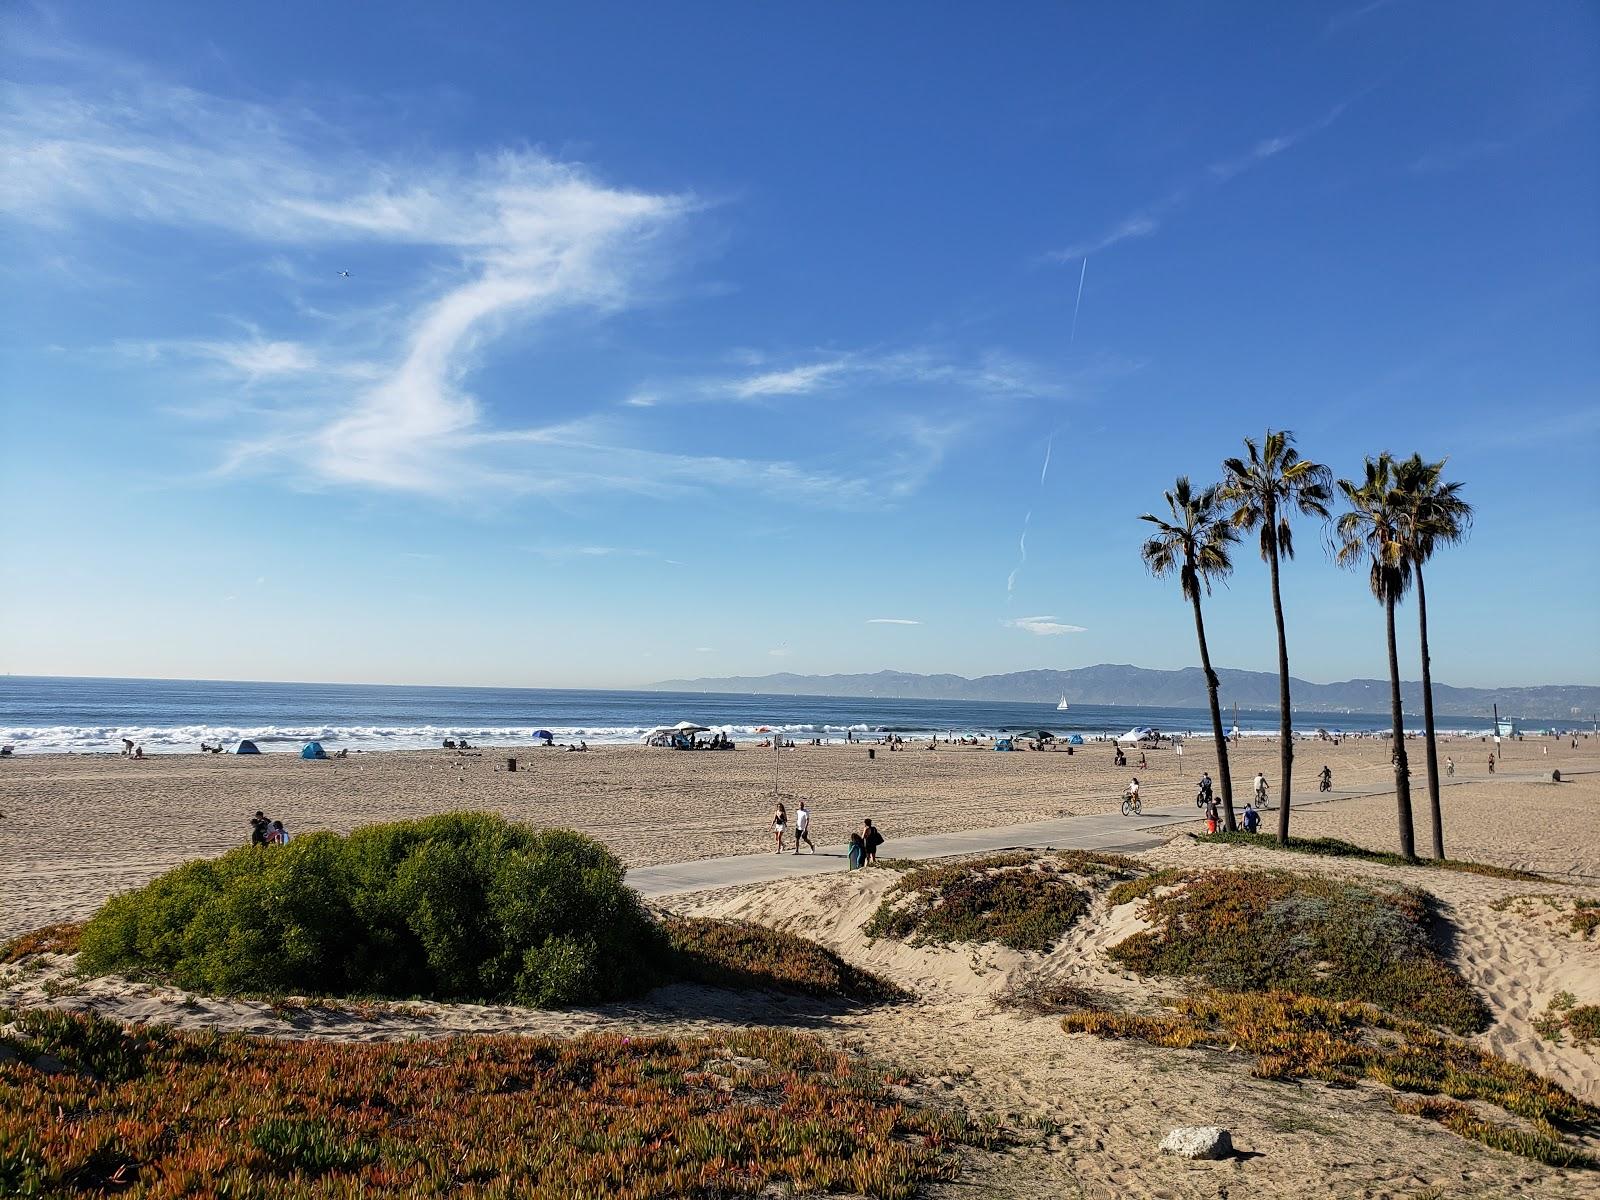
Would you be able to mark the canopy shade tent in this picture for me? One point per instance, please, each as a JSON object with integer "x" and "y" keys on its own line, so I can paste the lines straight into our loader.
{"x": 1039, "y": 735}
{"x": 247, "y": 747}
{"x": 1139, "y": 735}
{"x": 313, "y": 750}
{"x": 690, "y": 727}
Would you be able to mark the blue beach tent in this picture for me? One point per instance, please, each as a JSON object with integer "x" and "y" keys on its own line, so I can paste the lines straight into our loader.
{"x": 1075, "y": 740}
{"x": 313, "y": 750}
{"x": 1002, "y": 743}
{"x": 247, "y": 748}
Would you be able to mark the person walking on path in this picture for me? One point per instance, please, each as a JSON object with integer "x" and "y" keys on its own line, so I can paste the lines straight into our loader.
{"x": 1491, "y": 763}
{"x": 1250, "y": 819}
{"x": 858, "y": 852}
{"x": 780, "y": 822}
{"x": 1449, "y": 766}
{"x": 871, "y": 839}
{"x": 802, "y": 827}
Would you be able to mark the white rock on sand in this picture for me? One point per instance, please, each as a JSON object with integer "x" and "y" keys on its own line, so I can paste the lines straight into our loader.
{"x": 1198, "y": 1141}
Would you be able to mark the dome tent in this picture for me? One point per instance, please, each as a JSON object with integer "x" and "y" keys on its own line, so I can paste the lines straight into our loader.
{"x": 313, "y": 750}
{"x": 247, "y": 747}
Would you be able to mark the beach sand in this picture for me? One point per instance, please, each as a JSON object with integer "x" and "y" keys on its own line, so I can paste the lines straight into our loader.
{"x": 1086, "y": 1114}
{"x": 78, "y": 828}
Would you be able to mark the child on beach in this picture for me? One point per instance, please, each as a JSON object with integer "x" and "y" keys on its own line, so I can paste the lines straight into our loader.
{"x": 780, "y": 822}
{"x": 802, "y": 827}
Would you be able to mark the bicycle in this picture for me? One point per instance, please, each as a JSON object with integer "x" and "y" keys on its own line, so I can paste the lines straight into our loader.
{"x": 1203, "y": 797}
{"x": 1131, "y": 805}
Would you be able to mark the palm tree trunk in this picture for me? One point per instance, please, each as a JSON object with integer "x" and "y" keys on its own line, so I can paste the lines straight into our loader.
{"x": 1435, "y": 813}
{"x": 1402, "y": 773}
{"x": 1285, "y": 725}
{"x": 1223, "y": 775}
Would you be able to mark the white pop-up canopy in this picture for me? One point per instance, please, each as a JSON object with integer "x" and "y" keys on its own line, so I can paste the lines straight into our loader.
{"x": 1139, "y": 734}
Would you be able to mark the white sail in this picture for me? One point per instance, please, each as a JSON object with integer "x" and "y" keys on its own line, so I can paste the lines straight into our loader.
{"x": 1063, "y": 706}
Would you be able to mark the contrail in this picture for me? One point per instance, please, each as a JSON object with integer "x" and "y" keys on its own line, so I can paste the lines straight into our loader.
{"x": 1078, "y": 303}
{"x": 1049, "y": 446}
{"x": 1022, "y": 549}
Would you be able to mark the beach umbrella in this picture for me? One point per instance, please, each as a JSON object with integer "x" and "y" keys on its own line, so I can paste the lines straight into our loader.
{"x": 1040, "y": 735}
{"x": 545, "y": 734}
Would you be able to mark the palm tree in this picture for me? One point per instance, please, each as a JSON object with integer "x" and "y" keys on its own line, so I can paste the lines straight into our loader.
{"x": 1264, "y": 490}
{"x": 1195, "y": 544}
{"x": 1374, "y": 531}
{"x": 1435, "y": 515}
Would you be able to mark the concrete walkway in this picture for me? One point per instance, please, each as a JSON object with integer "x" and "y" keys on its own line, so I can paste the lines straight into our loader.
{"x": 1101, "y": 831}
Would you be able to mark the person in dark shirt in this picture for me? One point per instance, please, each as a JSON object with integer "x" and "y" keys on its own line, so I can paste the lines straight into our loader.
{"x": 871, "y": 839}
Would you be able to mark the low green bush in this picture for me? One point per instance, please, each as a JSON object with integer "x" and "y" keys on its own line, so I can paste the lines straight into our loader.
{"x": 1332, "y": 939}
{"x": 1019, "y": 899}
{"x": 457, "y": 906}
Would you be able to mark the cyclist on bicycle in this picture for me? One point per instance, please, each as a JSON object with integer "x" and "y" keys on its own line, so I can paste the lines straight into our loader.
{"x": 1205, "y": 786}
{"x": 1325, "y": 779}
{"x": 1261, "y": 789}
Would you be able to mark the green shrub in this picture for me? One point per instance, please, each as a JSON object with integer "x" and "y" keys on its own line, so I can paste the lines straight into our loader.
{"x": 739, "y": 954}
{"x": 1259, "y": 930}
{"x": 1019, "y": 899}
{"x": 462, "y": 905}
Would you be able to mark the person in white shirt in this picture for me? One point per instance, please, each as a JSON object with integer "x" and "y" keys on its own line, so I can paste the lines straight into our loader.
{"x": 1261, "y": 789}
{"x": 802, "y": 827}
{"x": 279, "y": 835}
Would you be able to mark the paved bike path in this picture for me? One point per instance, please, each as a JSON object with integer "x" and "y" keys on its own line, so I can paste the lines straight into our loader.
{"x": 1100, "y": 831}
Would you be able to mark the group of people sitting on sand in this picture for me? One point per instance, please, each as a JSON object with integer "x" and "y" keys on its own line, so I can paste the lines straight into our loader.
{"x": 266, "y": 832}
{"x": 717, "y": 741}
{"x": 457, "y": 744}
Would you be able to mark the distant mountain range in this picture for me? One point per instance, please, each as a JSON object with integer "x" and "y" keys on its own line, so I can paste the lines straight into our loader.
{"x": 1562, "y": 704}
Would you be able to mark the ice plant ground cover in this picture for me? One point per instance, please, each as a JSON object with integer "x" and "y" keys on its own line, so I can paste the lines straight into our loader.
{"x": 1338, "y": 981}
{"x": 89, "y": 1107}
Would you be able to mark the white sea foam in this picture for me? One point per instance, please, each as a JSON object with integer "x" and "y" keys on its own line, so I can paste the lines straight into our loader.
{"x": 186, "y": 739}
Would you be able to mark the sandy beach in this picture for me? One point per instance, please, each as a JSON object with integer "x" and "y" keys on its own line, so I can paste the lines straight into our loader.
{"x": 1084, "y": 1114}
{"x": 79, "y": 828}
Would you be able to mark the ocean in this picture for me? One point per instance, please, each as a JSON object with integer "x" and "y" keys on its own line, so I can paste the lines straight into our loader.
{"x": 87, "y": 716}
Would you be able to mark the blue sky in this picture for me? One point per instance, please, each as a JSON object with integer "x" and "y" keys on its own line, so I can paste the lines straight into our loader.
{"x": 705, "y": 339}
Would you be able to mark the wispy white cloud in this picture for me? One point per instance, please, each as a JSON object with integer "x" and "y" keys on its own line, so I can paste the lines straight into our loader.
{"x": 1148, "y": 219}
{"x": 891, "y": 621}
{"x": 704, "y": 650}
{"x": 779, "y": 652}
{"x": 990, "y": 375}
{"x": 1042, "y": 626}
{"x": 376, "y": 391}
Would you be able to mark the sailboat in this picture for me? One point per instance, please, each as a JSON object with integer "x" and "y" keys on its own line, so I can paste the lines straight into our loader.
{"x": 1063, "y": 706}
